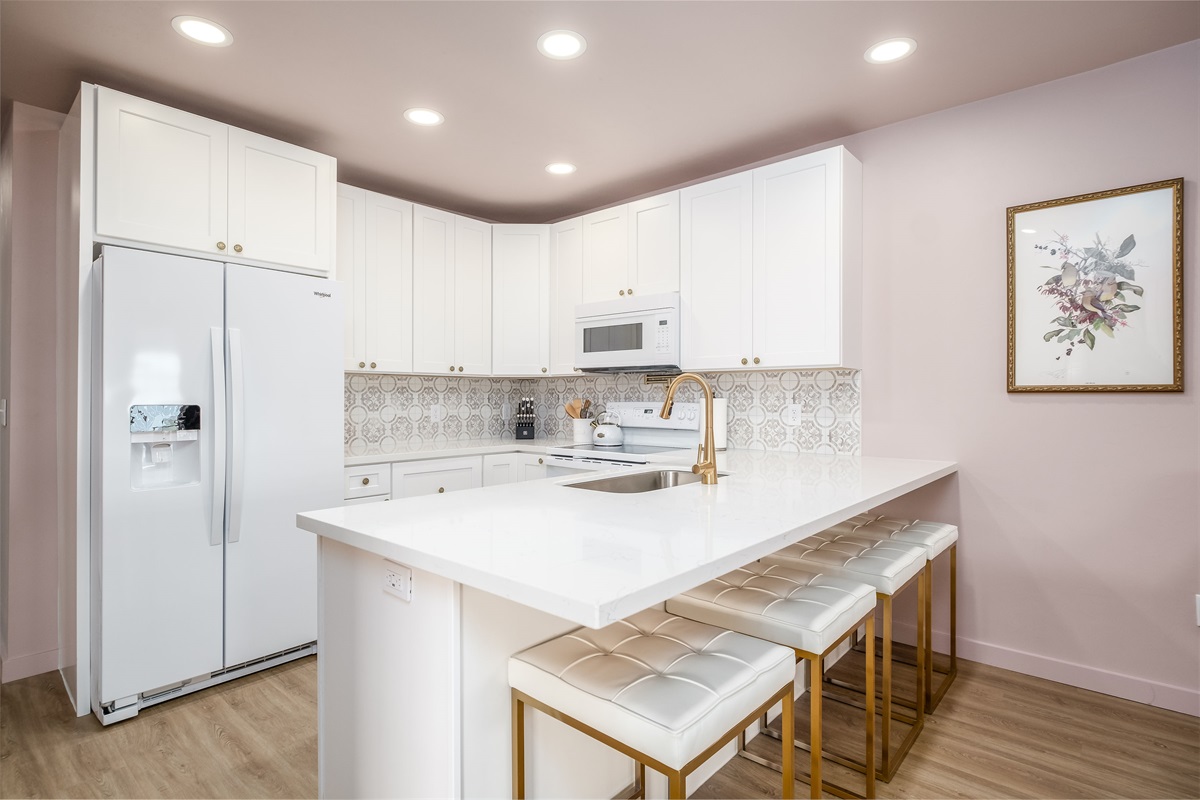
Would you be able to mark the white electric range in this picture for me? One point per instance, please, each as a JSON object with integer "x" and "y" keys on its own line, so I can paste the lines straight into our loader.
{"x": 647, "y": 435}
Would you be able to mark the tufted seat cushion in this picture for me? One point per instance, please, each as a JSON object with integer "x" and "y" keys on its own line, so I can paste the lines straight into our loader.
{"x": 886, "y": 565}
{"x": 935, "y": 537}
{"x": 664, "y": 685}
{"x": 803, "y": 609}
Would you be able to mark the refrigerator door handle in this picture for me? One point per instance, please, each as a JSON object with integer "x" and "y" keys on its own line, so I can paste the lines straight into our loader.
{"x": 236, "y": 427}
{"x": 217, "y": 525}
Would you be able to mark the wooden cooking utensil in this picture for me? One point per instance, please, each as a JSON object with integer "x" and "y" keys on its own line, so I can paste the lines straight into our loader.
{"x": 572, "y": 408}
{"x": 583, "y": 412}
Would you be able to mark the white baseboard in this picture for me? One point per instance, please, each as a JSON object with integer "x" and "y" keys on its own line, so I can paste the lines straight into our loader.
{"x": 1129, "y": 687}
{"x": 16, "y": 668}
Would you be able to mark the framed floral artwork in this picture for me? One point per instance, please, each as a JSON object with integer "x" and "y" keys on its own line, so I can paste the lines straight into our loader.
{"x": 1095, "y": 292}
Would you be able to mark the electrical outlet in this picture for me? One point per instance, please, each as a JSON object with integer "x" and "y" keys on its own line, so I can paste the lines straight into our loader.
{"x": 397, "y": 580}
{"x": 437, "y": 412}
{"x": 791, "y": 414}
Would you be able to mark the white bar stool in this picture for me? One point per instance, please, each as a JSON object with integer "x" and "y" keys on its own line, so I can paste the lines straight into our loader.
{"x": 890, "y": 568}
{"x": 936, "y": 538}
{"x": 668, "y": 692}
{"x": 806, "y": 611}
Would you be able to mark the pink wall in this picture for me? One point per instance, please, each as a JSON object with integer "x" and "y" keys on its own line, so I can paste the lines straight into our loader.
{"x": 1080, "y": 551}
{"x": 30, "y": 588}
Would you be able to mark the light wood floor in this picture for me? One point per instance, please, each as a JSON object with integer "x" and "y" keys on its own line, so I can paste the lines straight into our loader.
{"x": 997, "y": 734}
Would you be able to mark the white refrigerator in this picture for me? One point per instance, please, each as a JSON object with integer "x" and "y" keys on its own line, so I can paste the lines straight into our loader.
{"x": 217, "y": 416}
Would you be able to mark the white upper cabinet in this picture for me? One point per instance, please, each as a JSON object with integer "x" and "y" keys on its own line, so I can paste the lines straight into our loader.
{"x": 374, "y": 246}
{"x": 605, "y": 254}
{"x": 566, "y": 292}
{"x": 472, "y": 296}
{"x": 280, "y": 201}
{"x": 771, "y": 266}
{"x": 654, "y": 245}
{"x": 716, "y": 291}
{"x": 169, "y": 178}
{"x": 161, "y": 174}
{"x": 433, "y": 290}
{"x": 350, "y": 268}
{"x": 521, "y": 300}
{"x": 452, "y": 293}
{"x": 808, "y": 261}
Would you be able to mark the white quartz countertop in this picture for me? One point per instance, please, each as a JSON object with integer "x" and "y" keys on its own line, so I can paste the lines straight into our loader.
{"x": 597, "y": 557}
{"x": 449, "y": 448}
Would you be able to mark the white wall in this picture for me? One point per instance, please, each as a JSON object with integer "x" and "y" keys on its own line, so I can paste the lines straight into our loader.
{"x": 1080, "y": 550}
{"x": 30, "y": 640}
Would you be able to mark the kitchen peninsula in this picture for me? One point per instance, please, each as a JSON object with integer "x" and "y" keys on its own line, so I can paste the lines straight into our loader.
{"x": 413, "y": 675}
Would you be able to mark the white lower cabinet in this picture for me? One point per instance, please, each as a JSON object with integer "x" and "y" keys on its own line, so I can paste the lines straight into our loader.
{"x": 512, "y": 468}
{"x": 436, "y": 476}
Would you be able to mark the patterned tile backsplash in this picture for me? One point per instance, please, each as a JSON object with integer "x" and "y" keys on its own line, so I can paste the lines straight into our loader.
{"x": 390, "y": 413}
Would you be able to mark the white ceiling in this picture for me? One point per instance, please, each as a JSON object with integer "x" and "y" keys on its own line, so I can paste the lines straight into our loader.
{"x": 666, "y": 93}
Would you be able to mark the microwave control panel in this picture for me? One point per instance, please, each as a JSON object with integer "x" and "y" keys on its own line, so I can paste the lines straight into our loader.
{"x": 662, "y": 336}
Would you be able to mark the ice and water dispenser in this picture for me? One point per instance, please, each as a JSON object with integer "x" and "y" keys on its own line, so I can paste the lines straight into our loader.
{"x": 164, "y": 446}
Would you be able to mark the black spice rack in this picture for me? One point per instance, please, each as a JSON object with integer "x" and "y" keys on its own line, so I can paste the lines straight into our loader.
{"x": 525, "y": 418}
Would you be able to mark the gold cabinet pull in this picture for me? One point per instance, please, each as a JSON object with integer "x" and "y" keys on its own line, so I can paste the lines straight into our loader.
{"x": 362, "y": 364}
{"x": 630, "y": 292}
{"x": 543, "y": 370}
{"x": 372, "y": 365}
{"x": 756, "y": 361}
{"x": 744, "y": 362}
{"x": 237, "y": 248}
{"x": 460, "y": 369}
{"x": 220, "y": 245}
{"x": 441, "y": 490}
{"x": 366, "y": 481}
{"x": 541, "y": 461}
{"x": 452, "y": 368}
{"x": 622, "y": 293}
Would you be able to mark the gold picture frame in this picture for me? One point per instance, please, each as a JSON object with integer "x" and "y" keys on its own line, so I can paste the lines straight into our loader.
{"x": 1102, "y": 312}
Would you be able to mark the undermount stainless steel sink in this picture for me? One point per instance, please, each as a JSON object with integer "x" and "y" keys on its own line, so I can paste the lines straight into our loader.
{"x": 640, "y": 481}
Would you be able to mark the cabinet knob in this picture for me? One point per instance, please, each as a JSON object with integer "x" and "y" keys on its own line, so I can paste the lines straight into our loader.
{"x": 541, "y": 461}
{"x": 362, "y": 364}
{"x": 543, "y": 369}
{"x": 629, "y": 292}
{"x": 441, "y": 490}
{"x": 756, "y": 361}
{"x": 366, "y": 481}
{"x": 237, "y": 248}
{"x": 745, "y": 362}
{"x": 622, "y": 293}
{"x": 220, "y": 245}
{"x": 452, "y": 368}
{"x": 373, "y": 364}
{"x": 460, "y": 369}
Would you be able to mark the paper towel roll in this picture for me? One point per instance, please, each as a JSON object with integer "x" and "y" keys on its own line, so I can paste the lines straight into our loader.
{"x": 720, "y": 422}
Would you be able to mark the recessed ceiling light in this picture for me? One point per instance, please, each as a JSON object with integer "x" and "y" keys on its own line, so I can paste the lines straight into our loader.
{"x": 203, "y": 31}
{"x": 560, "y": 168}
{"x": 561, "y": 44}
{"x": 424, "y": 116}
{"x": 890, "y": 50}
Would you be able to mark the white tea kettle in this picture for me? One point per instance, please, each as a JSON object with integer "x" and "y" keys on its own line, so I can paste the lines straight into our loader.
{"x": 607, "y": 432}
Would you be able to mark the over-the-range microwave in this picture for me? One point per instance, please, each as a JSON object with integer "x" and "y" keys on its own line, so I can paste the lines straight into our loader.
{"x": 638, "y": 334}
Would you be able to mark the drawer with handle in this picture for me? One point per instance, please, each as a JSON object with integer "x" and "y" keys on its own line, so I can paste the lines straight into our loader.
{"x": 369, "y": 480}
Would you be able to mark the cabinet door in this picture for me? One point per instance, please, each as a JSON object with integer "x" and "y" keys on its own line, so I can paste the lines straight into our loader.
{"x": 436, "y": 476}
{"x": 716, "y": 290}
{"x": 350, "y": 267}
{"x": 606, "y": 254}
{"x": 389, "y": 283}
{"x": 161, "y": 174}
{"x": 530, "y": 467}
{"x": 797, "y": 257}
{"x": 433, "y": 291}
{"x": 472, "y": 297}
{"x": 521, "y": 300}
{"x": 499, "y": 469}
{"x": 281, "y": 201}
{"x": 566, "y": 292}
{"x": 654, "y": 244}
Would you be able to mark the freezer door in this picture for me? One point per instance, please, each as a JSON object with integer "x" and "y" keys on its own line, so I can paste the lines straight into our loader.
{"x": 158, "y": 435}
{"x": 285, "y": 452}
